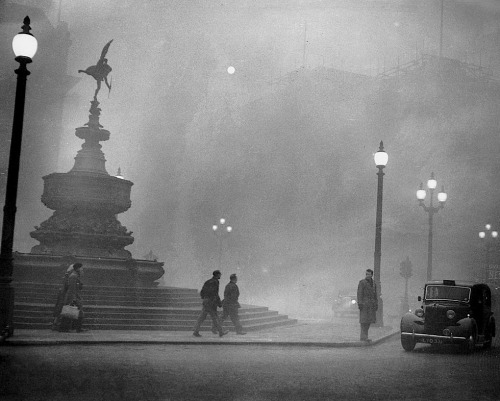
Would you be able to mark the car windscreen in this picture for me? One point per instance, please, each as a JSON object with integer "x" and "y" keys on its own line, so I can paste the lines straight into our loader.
{"x": 445, "y": 292}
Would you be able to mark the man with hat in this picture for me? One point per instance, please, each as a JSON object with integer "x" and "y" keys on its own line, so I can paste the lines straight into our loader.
{"x": 230, "y": 304}
{"x": 211, "y": 301}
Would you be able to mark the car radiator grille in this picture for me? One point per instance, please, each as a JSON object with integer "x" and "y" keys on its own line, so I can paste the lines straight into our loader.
{"x": 436, "y": 321}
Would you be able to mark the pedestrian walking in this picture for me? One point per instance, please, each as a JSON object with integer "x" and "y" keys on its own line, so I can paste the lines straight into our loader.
{"x": 367, "y": 303}
{"x": 211, "y": 301}
{"x": 73, "y": 296}
{"x": 56, "y": 323}
{"x": 230, "y": 304}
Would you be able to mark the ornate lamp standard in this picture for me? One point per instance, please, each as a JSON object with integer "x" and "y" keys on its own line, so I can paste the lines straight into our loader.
{"x": 220, "y": 230}
{"x": 24, "y": 45}
{"x": 381, "y": 159}
{"x": 431, "y": 210}
{"x": 489, "y": 239}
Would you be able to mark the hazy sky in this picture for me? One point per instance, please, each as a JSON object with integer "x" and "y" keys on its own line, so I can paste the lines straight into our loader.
{"x": 200, "y": 143}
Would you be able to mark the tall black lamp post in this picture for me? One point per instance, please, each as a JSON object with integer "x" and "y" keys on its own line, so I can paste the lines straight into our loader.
{"x": 220, "y": 229}
{"x": 24, "y": 45}
{"x": 431, "y": 210}
{"x": 381, "y": 159}
{"x": 489, "y": 238}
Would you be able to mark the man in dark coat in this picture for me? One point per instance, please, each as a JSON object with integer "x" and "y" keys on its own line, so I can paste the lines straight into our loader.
{"x": 211, "y": 300}
{"x": 230, "y": 304}
{"x": 367, "y": 303}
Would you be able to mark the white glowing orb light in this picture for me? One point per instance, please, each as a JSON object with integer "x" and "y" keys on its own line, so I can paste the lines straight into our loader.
{"x": 231, "y": 70}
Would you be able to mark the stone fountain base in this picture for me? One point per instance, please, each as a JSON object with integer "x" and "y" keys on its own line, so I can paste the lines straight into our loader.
{"x": 43, "y": 268}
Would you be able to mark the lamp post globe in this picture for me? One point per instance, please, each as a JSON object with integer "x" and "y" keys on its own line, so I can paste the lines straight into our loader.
{"x": 431, "y": 210}
{"x": 489, "y": 236}
{"x": 24, "y": 46}
{"x": 220, "y": 230}
{"x": 24, "y": 43}
{"x": 381, "y": 158}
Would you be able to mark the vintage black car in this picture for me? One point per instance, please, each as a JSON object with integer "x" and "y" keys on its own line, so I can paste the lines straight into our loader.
{"x": 345, "y": 305}
{"x": 452, "y": 312}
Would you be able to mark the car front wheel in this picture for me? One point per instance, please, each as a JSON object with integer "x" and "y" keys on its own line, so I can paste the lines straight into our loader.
{"x": 488, "y": 336}
{"x": 408, "y": 343}
{"x": 470, "y": 345}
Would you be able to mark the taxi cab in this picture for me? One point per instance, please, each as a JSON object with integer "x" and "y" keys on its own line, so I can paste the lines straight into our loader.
{"x": 452, "y": 312}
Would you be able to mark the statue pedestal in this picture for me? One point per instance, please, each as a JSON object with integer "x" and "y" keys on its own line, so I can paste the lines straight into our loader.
{"x": 84, "y": 226}
{"x": 84, "y": 221}
{"x": 50, "y": 269}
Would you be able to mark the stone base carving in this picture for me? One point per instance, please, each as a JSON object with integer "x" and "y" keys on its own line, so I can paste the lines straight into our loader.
{"x": 97, "y": 271}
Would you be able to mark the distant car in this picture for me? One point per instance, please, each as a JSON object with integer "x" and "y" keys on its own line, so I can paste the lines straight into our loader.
{"x": 452, "y": 312}
{"x": 345, "y": 305}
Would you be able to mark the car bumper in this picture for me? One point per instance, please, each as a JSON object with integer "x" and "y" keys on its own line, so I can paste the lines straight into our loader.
{"x": 434, "y": 339}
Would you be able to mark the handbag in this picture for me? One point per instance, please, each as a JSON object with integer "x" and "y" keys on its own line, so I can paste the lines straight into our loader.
{"x": 70, "y": 312}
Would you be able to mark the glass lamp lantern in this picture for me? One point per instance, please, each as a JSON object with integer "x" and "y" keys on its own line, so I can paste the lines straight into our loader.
{"x": 381, "y": 157}
{"x": 431, "y": 182}
{"x": 24, "y": 43}
{"x": 421, "y": 193}
{"x": 442, "y": 196}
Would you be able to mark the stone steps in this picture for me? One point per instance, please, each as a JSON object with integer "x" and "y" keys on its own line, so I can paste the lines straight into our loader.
{"x": 132, "y": 308}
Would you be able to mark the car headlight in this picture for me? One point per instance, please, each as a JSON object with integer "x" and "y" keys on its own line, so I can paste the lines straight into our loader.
{"x": 450, "y": 314}
{"x": 419, "y": 312}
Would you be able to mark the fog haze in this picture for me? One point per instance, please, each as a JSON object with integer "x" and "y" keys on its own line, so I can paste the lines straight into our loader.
{"x": 283, "y": 148}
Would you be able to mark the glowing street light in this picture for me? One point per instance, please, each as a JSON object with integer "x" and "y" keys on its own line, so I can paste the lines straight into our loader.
{"x": 381, "y": 158}
{"x": 25, "y": 46}
{"x": 431, "y": 210}
{"x": 489, "y": 238}
{"x": 221, "y": 229}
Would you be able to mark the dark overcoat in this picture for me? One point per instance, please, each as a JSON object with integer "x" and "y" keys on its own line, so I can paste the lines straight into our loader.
{"x": 73, "y": 293}
{"x": 367, "y": 301}
{"x": 210, "y": 294}
{"x": 231, "y": 295}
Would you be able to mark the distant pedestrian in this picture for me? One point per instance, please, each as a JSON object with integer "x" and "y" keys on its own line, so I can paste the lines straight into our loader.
{"x": 211, "y": 301}
{"x": 73, "y": 297}
{"x": 230, "y": 304}
{"x": 367, "y": 303}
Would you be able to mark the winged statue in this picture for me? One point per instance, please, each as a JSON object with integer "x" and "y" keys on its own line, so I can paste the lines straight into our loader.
{"x": 101, "y": 70}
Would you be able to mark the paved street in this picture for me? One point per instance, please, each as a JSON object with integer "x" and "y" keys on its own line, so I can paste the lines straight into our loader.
{"x": 337, "y": 332}
{"x": 149, "y": 371}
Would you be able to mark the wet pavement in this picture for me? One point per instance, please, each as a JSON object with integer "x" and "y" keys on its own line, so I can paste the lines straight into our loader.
{"x": 313, "y": 332}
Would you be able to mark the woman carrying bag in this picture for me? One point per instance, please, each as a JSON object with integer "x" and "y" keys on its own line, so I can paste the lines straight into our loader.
{"x": 60, "y": 300}
{"x": 73, "y": 297}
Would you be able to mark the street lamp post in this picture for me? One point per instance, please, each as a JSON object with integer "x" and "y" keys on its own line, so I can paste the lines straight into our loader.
{"x": 431, "y": 210}
{"x": 381, "y": 159}
{"x": 221, "y": 229}
{"x": 24, "y": 45}
{"x": 489, "y": 238}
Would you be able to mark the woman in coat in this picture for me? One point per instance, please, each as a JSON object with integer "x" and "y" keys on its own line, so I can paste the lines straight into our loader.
{"x": 73, "y": 297}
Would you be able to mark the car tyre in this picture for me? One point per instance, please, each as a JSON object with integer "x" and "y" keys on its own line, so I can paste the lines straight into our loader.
{"x": 488, "y": 335}
{"x": 470, "y": 344}
{"x": 487, "y": 341}
{"x": 408, "y": 343}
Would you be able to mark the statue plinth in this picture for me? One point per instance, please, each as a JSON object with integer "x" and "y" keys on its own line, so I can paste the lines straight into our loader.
{"x": 86, "y": 201}
{"x": 84, "y": 221}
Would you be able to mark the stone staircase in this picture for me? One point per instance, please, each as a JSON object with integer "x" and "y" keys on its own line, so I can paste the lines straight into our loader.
{"x": 132, "y": 308}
